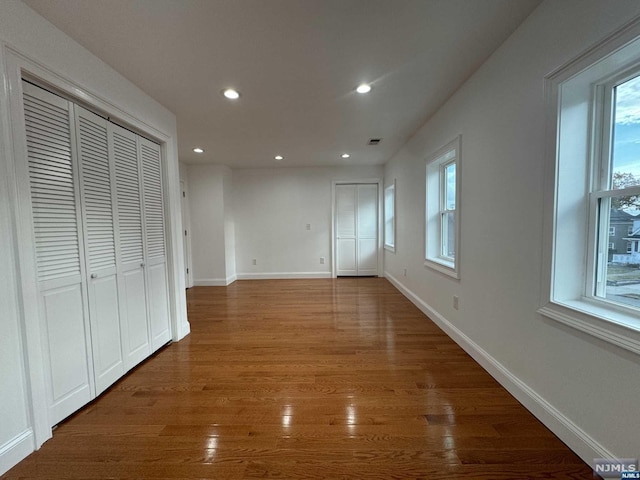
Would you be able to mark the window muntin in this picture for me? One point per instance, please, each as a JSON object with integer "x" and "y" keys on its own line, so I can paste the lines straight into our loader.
{"x": 442, "y": 216}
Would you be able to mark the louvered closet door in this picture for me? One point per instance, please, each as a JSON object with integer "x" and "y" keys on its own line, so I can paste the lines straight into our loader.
{"x": 367, "y": 229}
{"x": 131, "y": 278}
{"x": 356, "y": 220}
{"x": 100, "y": 247}
{"x": 346, "y": 239}
{"x": 59, "y": 262}
{"x": 155, "y": 249}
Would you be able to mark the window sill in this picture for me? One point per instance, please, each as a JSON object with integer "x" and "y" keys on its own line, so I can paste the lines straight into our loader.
{"x": 390, "y": 248}
{"x": 610, "y": 324}
{"x": 442, "y": 266}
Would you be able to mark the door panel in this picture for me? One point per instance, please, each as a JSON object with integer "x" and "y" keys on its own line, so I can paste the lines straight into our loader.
{"x": 65, "y": 342}
{"x": 100, "y": 228}
{"x": 134, "y": 305}
{"x": 158, "y": 295}
{"x": 158, "y": 305}
{"x": 347, "y": 256}
{"x": 367, "y": 256}
{"x": 107, "y": 351}
{"x": 56, "y": 238}
{"x": 133, "y": 298}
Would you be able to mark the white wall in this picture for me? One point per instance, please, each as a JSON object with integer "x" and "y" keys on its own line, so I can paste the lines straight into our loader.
{"x": 229, "y": 226}
{"x": 271, "y": 210}
{"x": 27, "y": 38}
{"x": 587, "y": 391}
{"x": 212, "y": 234}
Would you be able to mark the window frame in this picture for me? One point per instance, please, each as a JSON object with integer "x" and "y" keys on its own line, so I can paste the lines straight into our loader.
{"x": 390, "y": 193}
{"x": 437, "y": 210}
{"x": 571, "y": 223}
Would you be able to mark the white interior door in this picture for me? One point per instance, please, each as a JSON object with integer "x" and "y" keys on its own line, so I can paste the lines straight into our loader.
{"x": 346, "y": 239}
{"x": 58, "y": 254}
{"x": 367, "y": 213}
{"x": 131, "y": 267}
{"x": 158, "y": 297}
{"x": 100, "y": 227}
{"x": 356, "y": 228}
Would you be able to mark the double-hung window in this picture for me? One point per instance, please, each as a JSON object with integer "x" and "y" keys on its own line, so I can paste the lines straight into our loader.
{"x": 390, "y": 217}
{"x": 592, "y": 181}
{"x": 442, "y": 225}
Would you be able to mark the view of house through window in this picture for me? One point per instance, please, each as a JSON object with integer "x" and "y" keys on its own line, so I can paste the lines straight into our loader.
{"x": 620, "y": 198}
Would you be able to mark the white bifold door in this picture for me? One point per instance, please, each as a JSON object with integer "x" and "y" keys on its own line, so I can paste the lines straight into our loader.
{"x": 356, "y": 228}
{"x": 99, "y": 241}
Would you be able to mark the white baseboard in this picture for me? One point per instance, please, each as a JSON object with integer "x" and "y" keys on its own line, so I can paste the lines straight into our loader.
{"x": 211, "y": 282}
{"x": 16, "y": 450}
{"x": 282, "y": 275}
{"x": 585, "y": 446}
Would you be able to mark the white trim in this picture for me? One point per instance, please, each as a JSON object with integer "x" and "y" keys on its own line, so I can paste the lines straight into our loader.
{"x": 585, "y": 446}
{"x": 583, "y": 316}
{"x": 282, "y": 275}
{"x": 214, "y": 282}
{"x": 16, "y": 450}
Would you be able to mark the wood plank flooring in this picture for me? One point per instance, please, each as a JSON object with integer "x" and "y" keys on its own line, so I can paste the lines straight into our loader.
{"x": 305, "y": 379}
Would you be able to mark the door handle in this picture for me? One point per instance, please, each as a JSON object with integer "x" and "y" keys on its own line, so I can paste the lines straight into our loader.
{"x": 94, "y": 275}
{"x": 142, "y": 264}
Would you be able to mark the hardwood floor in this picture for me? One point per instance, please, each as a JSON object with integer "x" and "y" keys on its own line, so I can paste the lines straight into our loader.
{"x": 305, "y": 379}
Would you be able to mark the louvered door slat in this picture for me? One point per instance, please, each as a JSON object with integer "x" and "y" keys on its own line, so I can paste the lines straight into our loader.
{"x": 154, "y": 215}
{"x": 125, "y": 150}
{"x": 96, "y": 193}
{"x": 52, "y": 188}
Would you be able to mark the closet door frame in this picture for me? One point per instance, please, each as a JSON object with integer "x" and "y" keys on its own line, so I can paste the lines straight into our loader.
{"x": 15, "y": 68}
{"x": 334, "y": 183}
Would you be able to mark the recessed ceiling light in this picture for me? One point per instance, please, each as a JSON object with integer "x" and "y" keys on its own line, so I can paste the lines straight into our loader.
{"x": 279, "y": 157}
{"x": 231, "y": 94}
{"x": 198, "y": 150}
{"x": 363, "y": 88}
{"x": 345, "y": 155}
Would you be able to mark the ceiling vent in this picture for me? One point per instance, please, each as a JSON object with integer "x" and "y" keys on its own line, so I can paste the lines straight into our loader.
{"x": 374, "y": 141}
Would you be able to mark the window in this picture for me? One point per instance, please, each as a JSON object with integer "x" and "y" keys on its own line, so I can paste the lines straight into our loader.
{"x": 442, "y": 216}
{"x": 593, "y": 177}
{"x": 612, "y": 246}
{"x": 390, "y": 217}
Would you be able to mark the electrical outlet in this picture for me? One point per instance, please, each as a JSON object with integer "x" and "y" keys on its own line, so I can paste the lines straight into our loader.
{"x": 308, "y": 226}
{"x": 321, "y": 260}
{"x": 456, "y": 301}
{"x": 255, "y": 262}
{"x": 405, "y": 272}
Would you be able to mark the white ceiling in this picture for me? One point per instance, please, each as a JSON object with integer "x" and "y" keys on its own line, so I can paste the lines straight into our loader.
{"x": 296, "y": 64}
